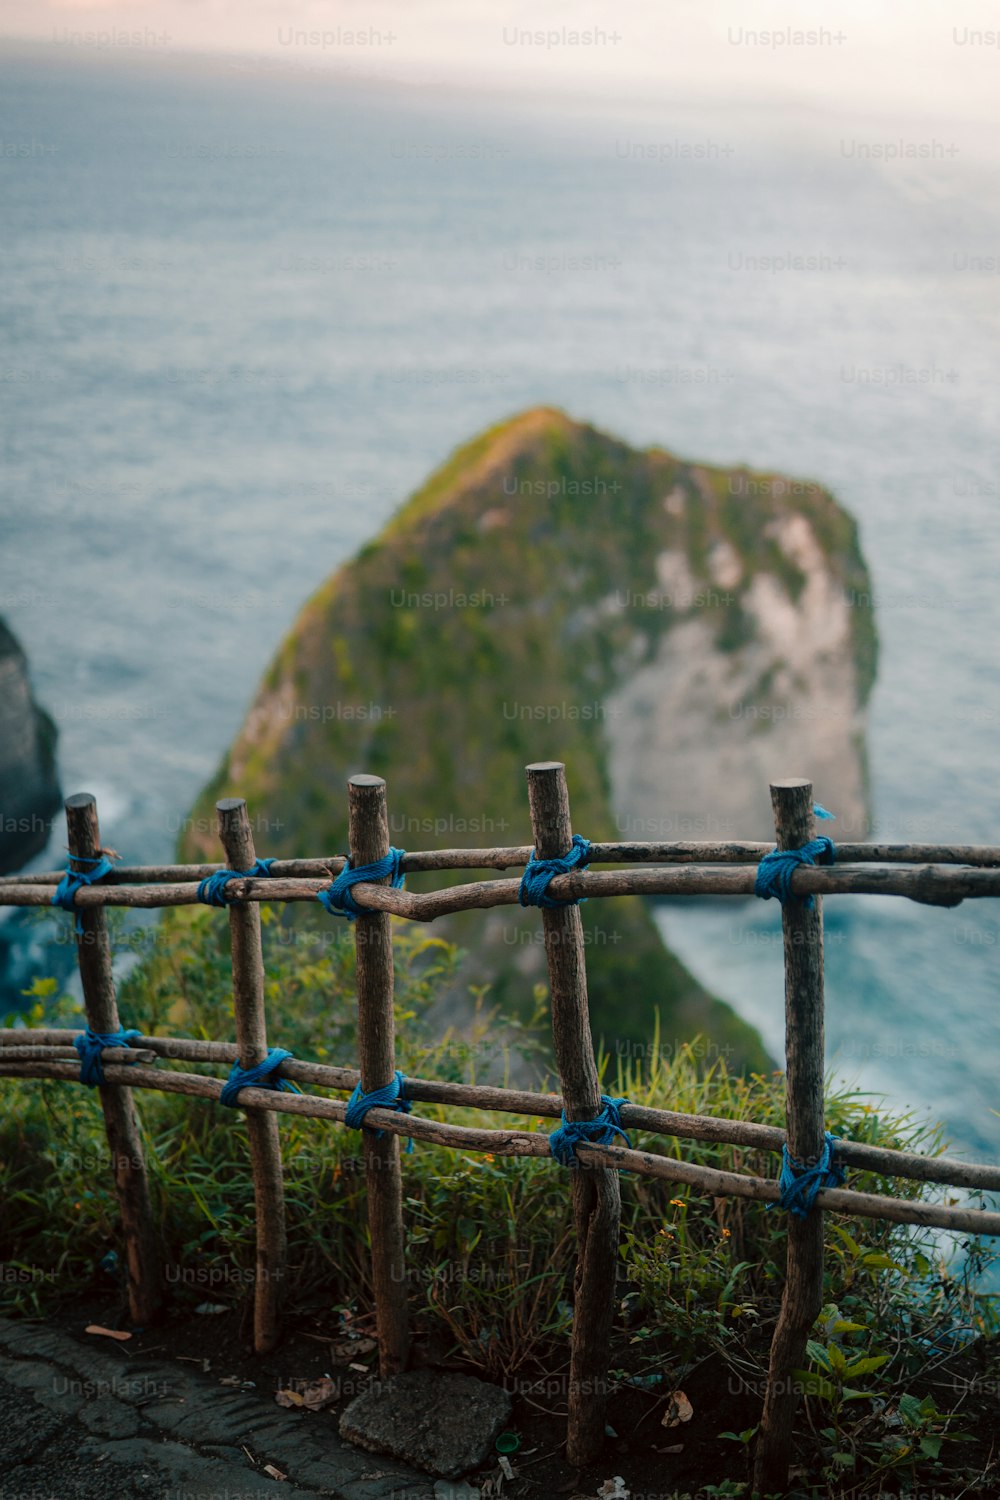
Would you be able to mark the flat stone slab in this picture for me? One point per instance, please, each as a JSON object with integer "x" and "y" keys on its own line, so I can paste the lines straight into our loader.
{"x": 444, "y": 1424}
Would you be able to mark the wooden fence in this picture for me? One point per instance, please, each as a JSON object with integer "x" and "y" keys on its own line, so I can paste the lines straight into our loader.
{"x": 931, "y": 874}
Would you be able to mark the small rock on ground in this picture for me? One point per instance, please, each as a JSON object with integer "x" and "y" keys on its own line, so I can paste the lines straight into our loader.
{"x": 442, "y": 1423}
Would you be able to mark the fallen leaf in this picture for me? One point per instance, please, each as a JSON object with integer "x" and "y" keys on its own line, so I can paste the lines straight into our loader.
{"x": 679, "y": 1409}
{"x": 108, "y": 1333}
{"x": 674, "y": 1448}
{"x": 320, "y": 1393}
{"x": 313, "y": 1395}
{"x": 351, "y": 1348}
{"x": 361, "y": 1369}
{"x": 273, "y": 1473}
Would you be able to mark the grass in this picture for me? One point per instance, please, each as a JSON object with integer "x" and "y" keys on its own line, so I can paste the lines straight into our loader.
{"x": 490, "y": 1241}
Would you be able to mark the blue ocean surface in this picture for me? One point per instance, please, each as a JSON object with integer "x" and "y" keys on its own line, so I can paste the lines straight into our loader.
{"x": 246, "y": 308}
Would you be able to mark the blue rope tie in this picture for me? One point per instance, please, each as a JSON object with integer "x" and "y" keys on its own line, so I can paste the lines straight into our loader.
{"x": 775, "y": 871}
{"x": 800, "y": 1184}
{"x": 64, "y": 894}
{"x": 260, "y": 1076}
{"x": 602, "y": 1129}
{"x": 89, "y": 1048}
{"x": 390, "y": 1097}
{"x": 212, "y": 890}
{"x": 337, "y": 897}
{"x": 539, "y": 874}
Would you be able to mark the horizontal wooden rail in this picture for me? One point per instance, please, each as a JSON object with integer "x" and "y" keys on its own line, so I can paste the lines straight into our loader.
{"x": 36, "y": 1053}
{"x": 292, "y": 869}
{"x": 528, "y": 1143}
{"x": 931, "y": 885}
{"x": 881, "y": 1160}
{"x": 732, "y": 852}
{"x": 928, "y": 884}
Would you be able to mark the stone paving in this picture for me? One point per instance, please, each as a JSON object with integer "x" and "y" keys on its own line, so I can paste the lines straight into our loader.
{"x": 89, "y": 1422}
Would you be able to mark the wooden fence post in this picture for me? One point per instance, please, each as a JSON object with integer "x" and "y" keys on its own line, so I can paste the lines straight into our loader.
{"x": 93, "y": 950}
{"x": 251, "y": 1040}
{"x": 596, "y": 1191}
{"x": 802, "y": 1298}
{"x": 368, "y": 834}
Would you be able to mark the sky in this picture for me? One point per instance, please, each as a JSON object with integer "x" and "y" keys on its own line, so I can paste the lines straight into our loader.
{"x": 895, "y": 59}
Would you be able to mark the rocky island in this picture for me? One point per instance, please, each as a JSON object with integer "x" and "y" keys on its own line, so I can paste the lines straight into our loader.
{"x": 676, "y": 633}
{"x": 30, "y": 790}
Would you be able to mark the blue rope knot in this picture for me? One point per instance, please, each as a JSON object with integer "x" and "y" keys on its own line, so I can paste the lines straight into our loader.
{"x": 89, "y": 1047}
{"x": 261, "y": 1076}
{"x": 337, "y": 897}
{"x": 212, "y": 890}
{"x": 64, "y": 894}
{"x": 775, "y": 871}
{"x": 389, "y": 1097}
{"x": 602, "y": 1130}
{"x": 539, "y": 874}
{"x": 799, "y": 1184}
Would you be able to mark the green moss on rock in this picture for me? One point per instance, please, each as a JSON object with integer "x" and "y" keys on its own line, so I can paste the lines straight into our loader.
{"x": 479, "y": 632}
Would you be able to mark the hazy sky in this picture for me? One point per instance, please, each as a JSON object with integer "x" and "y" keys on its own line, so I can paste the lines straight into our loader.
{"x": 896, "y": 58}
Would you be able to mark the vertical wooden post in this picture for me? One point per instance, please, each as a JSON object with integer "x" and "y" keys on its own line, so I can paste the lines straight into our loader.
{"x": 368, "y": 832}
{"x": 251, "y": 1039}
{"x": 802, "y": 1298}
{"x": 93, "y": 950}
{"x": 596, "y": 1191}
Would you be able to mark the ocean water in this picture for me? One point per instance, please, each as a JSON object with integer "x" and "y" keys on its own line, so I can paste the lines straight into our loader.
{"x": 245, "y": 309}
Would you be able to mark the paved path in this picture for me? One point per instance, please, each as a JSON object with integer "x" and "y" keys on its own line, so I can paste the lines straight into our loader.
{"x": 89, "y": 1422}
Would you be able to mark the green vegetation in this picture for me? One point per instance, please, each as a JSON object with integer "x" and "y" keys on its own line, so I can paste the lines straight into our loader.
{"x": 479, "y": 632}
{"x": 490, "y": 1241}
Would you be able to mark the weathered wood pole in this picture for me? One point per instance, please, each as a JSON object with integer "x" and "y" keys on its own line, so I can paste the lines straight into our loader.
{"x": 236, "y": 835}
{"x": 596, "y": 1191}
{"x": 93, "y": 951}
{"x": 802, "y": 1298}
{"x": 368, "y": 836}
